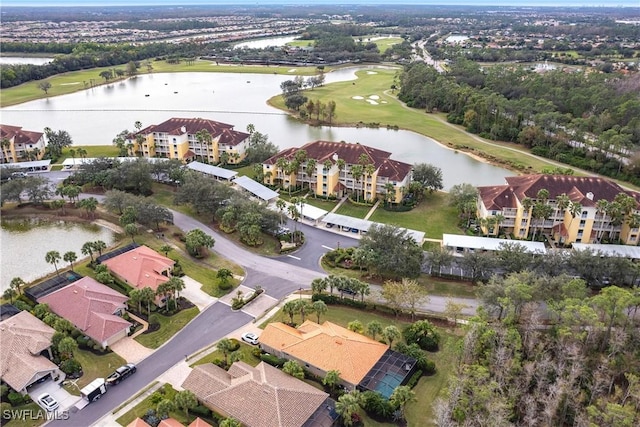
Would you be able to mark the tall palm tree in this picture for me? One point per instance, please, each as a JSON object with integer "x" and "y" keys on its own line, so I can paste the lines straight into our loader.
{"x": 602, "y": 208}
{"x": 401, "y": 396}
{"x": 87, "y": 250}
{"x": 281, "y": 165}
{"x": 356, "y": 172}
{"x": 16, "y": 284}
{"x": 52, "y": 257}
{"x": 347, "y": 405}
{"x": 70, "y": 257}
{"x": 369, "y": 170}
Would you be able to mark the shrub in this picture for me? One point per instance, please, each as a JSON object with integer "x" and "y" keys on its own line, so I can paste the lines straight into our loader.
{"x": 70, "y": 366}
{"x": 15, "y": 399}
{"x": 154, "y": 319}
{"x": 21, "y": 305}
{"x": 273, "y": 360}
{"x": 82, "y": 341}
{"x": 235, "y": 344}
{"x": 422, "y": 333}
{"x": 201, "y": 410}
{"x": 256, "y": 352}
{"x": 225, "y": 286}
{"x": 430, "y": 368}
{"x": 377, "y": 406}
{"x": 414, "y": 379}
{"x": 156, "y": 398}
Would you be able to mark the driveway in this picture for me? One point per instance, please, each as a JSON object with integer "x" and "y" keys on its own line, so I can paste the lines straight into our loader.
{"x": 64, "y": 398}
{"x": 130, "y": 350}
{"x": 193, "y": 292}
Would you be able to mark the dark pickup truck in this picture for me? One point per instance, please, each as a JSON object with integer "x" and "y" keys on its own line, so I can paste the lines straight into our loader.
{"x": 121, "y": 373}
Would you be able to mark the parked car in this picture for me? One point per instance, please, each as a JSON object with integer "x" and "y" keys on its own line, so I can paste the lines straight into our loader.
{"x": 48, "y": 402}
{"x": 121, "y": 373}
{"x": 250, "y": 338}
{"x": 329, "y": 225}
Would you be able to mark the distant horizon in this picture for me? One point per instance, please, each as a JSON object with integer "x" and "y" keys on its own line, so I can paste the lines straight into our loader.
{"x": 496, "y": 3}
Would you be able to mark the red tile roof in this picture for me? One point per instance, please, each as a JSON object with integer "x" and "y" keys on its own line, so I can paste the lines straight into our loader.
{"x": 18, "y": 135}
{"x": 138, "y": 422}
{"x": 141, "y": 267}
{"x": 198, "y": 422}
{"x": 22, "y": 338}
{"x": 322, "y": 151}
{"x": 170, "y": 422}
{"x": 327, "y": 347}
{"x": 584, "y": 190}
{"x": 179, "y": 126}
{"x": 90, "y": 306}
{"x": 262, "y": 396}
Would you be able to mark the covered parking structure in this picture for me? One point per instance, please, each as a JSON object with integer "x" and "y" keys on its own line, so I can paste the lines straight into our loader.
{"x": 221, "y": 174}
{"x": 35, "y": 166}
{"x": 624, "y": 251}
{"x": 460, "y": 244}
{"x": 260, "y": 191}
{"x": 347, "y": 223}
{"x": 311, "y": 213}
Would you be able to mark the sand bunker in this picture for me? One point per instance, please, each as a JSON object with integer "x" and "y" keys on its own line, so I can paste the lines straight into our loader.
{"x": 372, "y": 102}
{"x": 383, "y": 102}
{"x": 293, "y": 70}
{"x": 357, "y": 97}
{"x": 376, "y": 97}
{"x": 371, "y": 72}
{"x": 69, "y": 84}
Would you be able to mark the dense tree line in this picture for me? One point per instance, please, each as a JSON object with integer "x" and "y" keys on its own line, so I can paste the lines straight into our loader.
{"x": 584, "y": 119}
{"x": 577, "y": 365}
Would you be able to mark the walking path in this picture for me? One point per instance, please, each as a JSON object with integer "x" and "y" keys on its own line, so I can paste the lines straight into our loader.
{"x": 144, "y": 324}
{"x": 372, "y": 210}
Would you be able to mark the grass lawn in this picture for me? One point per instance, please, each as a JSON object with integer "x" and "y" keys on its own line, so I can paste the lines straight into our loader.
{"x": 95, "y": 366}
{"x": 245, "y": 356}
{"x": 327, "y": 205}
{"x": 141, "y": 409}
{"x": 301, "y": 43}
{"x": 92, "y": 151}
{"x": 168, "y": 327}
{"x": 385, "y": 43}
{"x": 246, "y": 171}
{"x": 420, "y": 413}
{"x": 433, "y": 215}
{"x": 30, "y": 408}
{"x": 350, "y": 209}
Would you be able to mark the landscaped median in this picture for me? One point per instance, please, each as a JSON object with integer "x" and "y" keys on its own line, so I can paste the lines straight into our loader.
{"x": 167, "y": 327}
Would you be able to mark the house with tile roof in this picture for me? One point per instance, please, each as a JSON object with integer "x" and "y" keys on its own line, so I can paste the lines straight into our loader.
{"x": 262, "y": 396}
{"x": 323, "y": 348}
{"x": 95, "y": 309}
{"x": 328, "y": 168}
{"x": 592, "y": 210}
{"x": 191, "y": 139}
{"x": 24, "y": 340}
{"x": 20, "y": 145}
{"x": 169, "y": 422}
{"x": 141, "y": 267}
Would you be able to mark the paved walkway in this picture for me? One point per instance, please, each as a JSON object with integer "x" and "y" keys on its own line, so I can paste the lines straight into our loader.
{"x": 144, "y": 324}
{"x": 372, "y": 210}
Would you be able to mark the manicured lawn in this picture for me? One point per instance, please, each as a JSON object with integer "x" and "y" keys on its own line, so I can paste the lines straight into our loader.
{"x": 141, "y": 409}
{"x": 327, "y": 205}
{"x": 420, "y": 413}
{"x": 433, "y": 215}
{"x": 302, "y": 43}
{"x": 95, "y": 366}
{"x": 350, "y": 209}
{"x": 37, "y": 413}
{"x": 168, "y": 327}
{"x": 385, "y": 43}
{"x": 92, "y": 151}
{"x": 246, "y": 171}
{"x": 245, "y": 356}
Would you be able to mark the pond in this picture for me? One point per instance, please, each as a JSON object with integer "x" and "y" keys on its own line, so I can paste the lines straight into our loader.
{"x": 95, "y": 116}
{"x": 24, "y": 60}
{"x": 25, "y": 241}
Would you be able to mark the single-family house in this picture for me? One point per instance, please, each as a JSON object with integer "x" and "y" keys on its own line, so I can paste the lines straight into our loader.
{"x": 169, "y": 422}
{"x": 24, "y": 341}
{"x": 142, "y": 267}
{"x": 262, "y": 396}
{"x": 93, "y": 308}
{"x": 363, "y": 363}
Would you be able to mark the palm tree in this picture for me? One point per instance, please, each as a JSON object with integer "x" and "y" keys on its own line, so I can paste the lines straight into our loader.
{"x": 17, "y": 283}
{"x": 602, "y": 208}
{"x": 320, "y": 308}
{"x": 70, "y": 257}
{"x": 225, "y": 345}
{"x": 357, "y": 171}
{"x": 369, "y": 169}
{"x": 331, "y": 379}
{"x": 391, "y": 333}
{"x": 347, "y": 405}
{"x": 5, "y": 143}
{"x": 295, "y": 215}
{"x": 311, "y": 172}
{"x": 9, "y": 293}
{"x": 52, "y": 257}
{"x": 165, "y": 249}
{"x": 389, "y": 193}
{"x": 374, "y": 328}
{"x": 281, "y": 205}
{"x": 87, "y": 250}
{"x": 147, "y": 296}
{"x": 289, "y": 308}
{"x": 135, "y": 298}
{"x": 401, "y": 396}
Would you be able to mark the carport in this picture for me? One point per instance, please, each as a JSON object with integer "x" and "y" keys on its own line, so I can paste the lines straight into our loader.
{"x": 310, "y": 212}
{"x": 255, "y": 188}
{"x": 346, "y": 223}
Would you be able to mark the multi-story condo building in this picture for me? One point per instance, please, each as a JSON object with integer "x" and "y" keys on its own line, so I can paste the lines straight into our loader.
{"x": 20, "y": 145}
{"x": 339, "y": 168}
{"x": 567, "y": 208}
{"x": 191, "y": 139}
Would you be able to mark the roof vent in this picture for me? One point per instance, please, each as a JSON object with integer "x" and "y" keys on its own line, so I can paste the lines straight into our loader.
{"x": 183, "y": 129}
{"x": 146, "y": 275}
{"x": 590, "y": 195}
{"x": 75, "y": 291}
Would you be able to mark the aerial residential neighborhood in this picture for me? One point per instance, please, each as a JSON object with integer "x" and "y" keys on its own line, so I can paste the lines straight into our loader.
{"x": 319, "y": 215}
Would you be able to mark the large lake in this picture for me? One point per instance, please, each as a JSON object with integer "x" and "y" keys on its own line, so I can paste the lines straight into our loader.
{"x": 95, "y": 116}
{"x": 35, "y": 60}
{"x": 24, "y": 243}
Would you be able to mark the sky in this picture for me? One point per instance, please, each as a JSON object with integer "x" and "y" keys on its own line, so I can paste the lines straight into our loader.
{"x": 564, "y": 3}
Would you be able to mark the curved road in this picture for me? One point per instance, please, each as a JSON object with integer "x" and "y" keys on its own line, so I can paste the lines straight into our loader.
{"x": 278, "y": 277}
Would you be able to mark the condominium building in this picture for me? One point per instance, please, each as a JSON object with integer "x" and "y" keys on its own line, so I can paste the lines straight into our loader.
{"x": 580, "y": 209}
{"x": 340, "y": 168}
{"x": 191, "y": 139}
{"x": 20, "y": 145}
